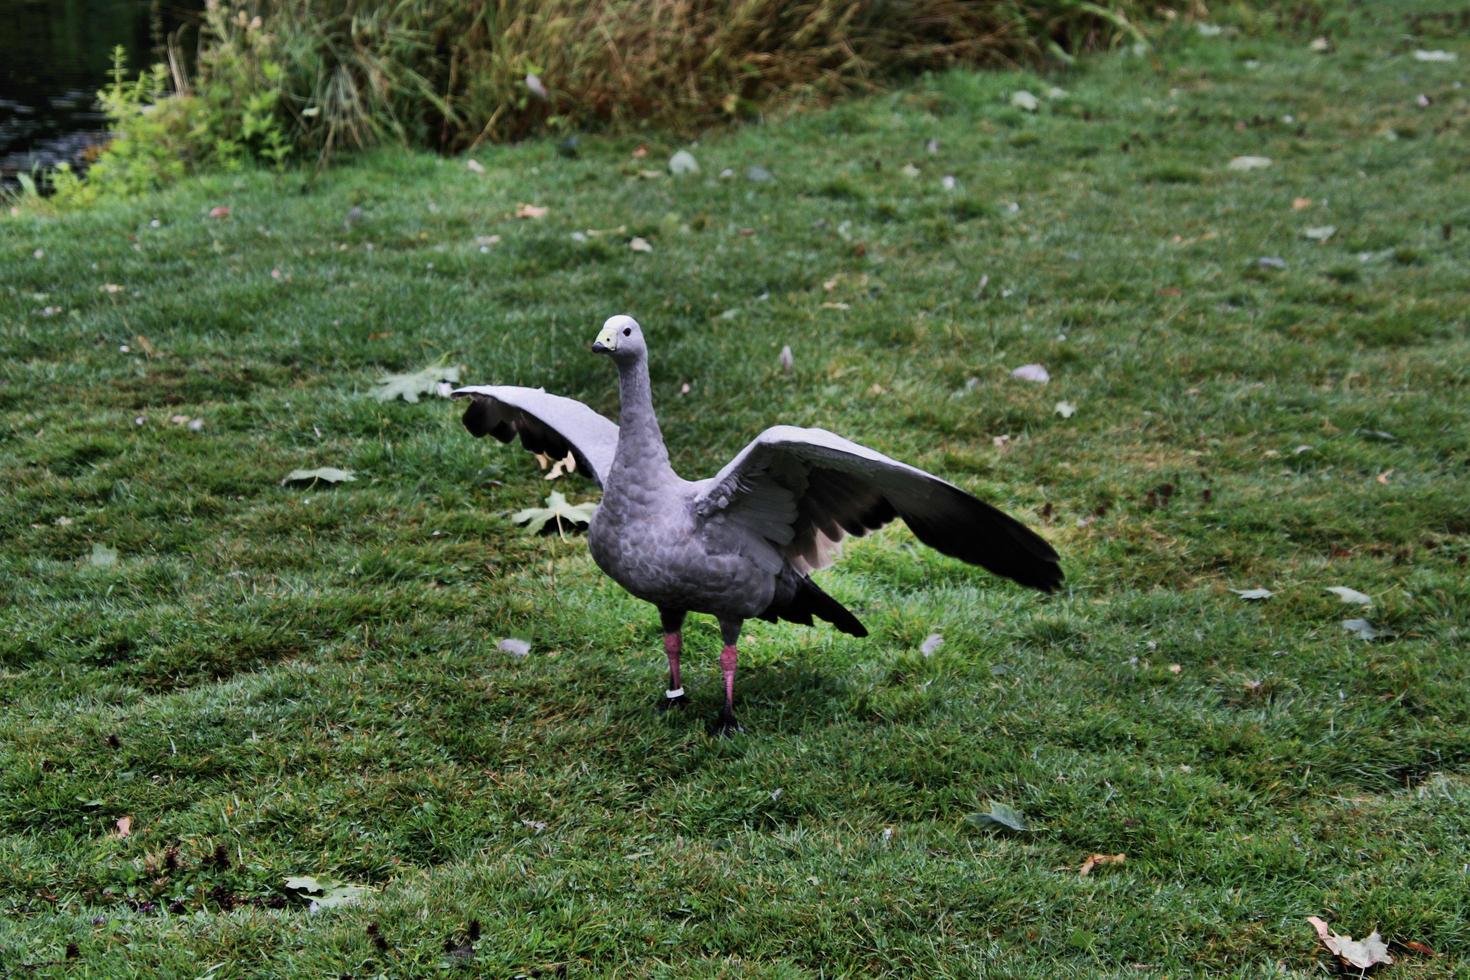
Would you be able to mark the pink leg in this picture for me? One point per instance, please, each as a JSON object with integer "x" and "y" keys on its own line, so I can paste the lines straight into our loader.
{"x": 673, "y": 645}
{"x": 729, "y": 656}
{"x": 727, "y": 725}
{"x": 674, "y": 696}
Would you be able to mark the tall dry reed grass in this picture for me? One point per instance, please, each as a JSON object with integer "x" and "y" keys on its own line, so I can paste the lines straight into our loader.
{"x": 450, "y": 73}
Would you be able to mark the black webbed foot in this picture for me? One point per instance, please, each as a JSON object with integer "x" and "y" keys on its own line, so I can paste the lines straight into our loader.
{"x": 726, "y": 726}
{"x": 665, "y": 703}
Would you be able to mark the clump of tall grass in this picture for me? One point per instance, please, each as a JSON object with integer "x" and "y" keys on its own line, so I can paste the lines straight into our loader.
{"x": 452, "y": 72}
{"x": 281, "y": 78}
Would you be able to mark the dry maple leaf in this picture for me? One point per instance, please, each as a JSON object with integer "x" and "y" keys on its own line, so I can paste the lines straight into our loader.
{"x": 1097, "y": 860}
{"x": 1363, "y": 954}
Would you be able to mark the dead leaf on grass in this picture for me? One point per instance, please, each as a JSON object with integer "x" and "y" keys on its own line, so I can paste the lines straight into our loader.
{"x": 514, "y": 646}
{"x": 1361, "y": 954}
{"x": 1098, "y": 860}
{"x": 1249, "y": 163}
{"x": 1000, "y": 815}
{"x": 557, "y": 513}
{"x": 411, "y": 385}
{"x": 124, "y": 826}
{"x": 323, "y": 474}
{"x": 531, "y": 211}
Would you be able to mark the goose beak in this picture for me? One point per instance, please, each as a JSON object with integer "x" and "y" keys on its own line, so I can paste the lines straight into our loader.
{"x": 606, "y": 342}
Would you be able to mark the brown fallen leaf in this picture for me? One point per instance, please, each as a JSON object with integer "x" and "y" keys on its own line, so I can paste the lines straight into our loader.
{"x": 640, "y": 151}
{"x": 144, "y": 345}
{"x": 223, "y": 211}
{"x": 124, "y": 826}
{"x": 1175, "y": 669}
{"x": 1383, "y": 477}
{"x": 1098, "y": 860}
{"x": 1419, "y": 948}
{"x": 1362, "y": 954}
{"x": 1301, "y": 203}
{"x": 531, "y": 211}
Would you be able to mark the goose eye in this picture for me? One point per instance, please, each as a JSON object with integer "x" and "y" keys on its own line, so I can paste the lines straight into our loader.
{"x": 627, "y": 331}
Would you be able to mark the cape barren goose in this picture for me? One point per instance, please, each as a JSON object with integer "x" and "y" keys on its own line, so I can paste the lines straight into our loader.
{"x": 743, "y": 543}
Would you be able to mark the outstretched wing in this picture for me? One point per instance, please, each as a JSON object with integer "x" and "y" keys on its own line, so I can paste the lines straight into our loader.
{"x": 547, "y": 424}
{"x": 800, "y": 491}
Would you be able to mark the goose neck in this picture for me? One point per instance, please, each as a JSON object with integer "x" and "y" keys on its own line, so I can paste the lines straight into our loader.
{"x": 640, "y": 441}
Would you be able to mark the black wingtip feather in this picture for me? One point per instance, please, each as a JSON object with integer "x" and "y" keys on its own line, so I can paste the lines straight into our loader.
{"x": 976, "y": 532}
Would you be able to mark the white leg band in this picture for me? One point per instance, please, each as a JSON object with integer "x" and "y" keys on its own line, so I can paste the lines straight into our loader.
{"x": 677, "y": 692}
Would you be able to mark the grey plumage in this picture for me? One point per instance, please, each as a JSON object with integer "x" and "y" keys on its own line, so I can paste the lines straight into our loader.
{"x": 743, "y": 543}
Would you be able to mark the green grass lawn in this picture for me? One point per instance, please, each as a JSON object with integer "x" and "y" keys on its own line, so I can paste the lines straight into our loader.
{"x": 274, "y": 681}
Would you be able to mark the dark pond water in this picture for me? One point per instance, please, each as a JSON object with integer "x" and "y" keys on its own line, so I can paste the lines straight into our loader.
{"x": 55, "y": 55}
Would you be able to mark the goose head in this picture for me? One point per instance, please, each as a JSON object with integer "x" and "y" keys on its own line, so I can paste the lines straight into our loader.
{"x": 622, "y": 338}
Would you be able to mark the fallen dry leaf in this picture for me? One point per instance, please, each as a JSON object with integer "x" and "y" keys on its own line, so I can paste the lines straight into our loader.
{"x": 640, "y": 245}
{"x": 474, "y": 166}
{"x": 531, "y": 211}
{"x": 1249, "y": 163}
{"x": 640, "y": 151}
{"x": 223, "y": 211}
{"x": 324, "y": 474}
{"x": 1097, "y": 860}
{"x": 1361, "y": 954}
{"x": 124, "y": 826}
{"x": 1031, "y": 372}
{"x": 786, "y": 359}
{"x": 1176, "y": 669}
{"x": 1024, "y": 100}
{"x": 1301, "y": 203}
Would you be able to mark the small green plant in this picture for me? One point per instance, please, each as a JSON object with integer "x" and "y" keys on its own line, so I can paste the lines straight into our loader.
{"x": 143, "y": 153}
{"x": 164, "y": 127}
